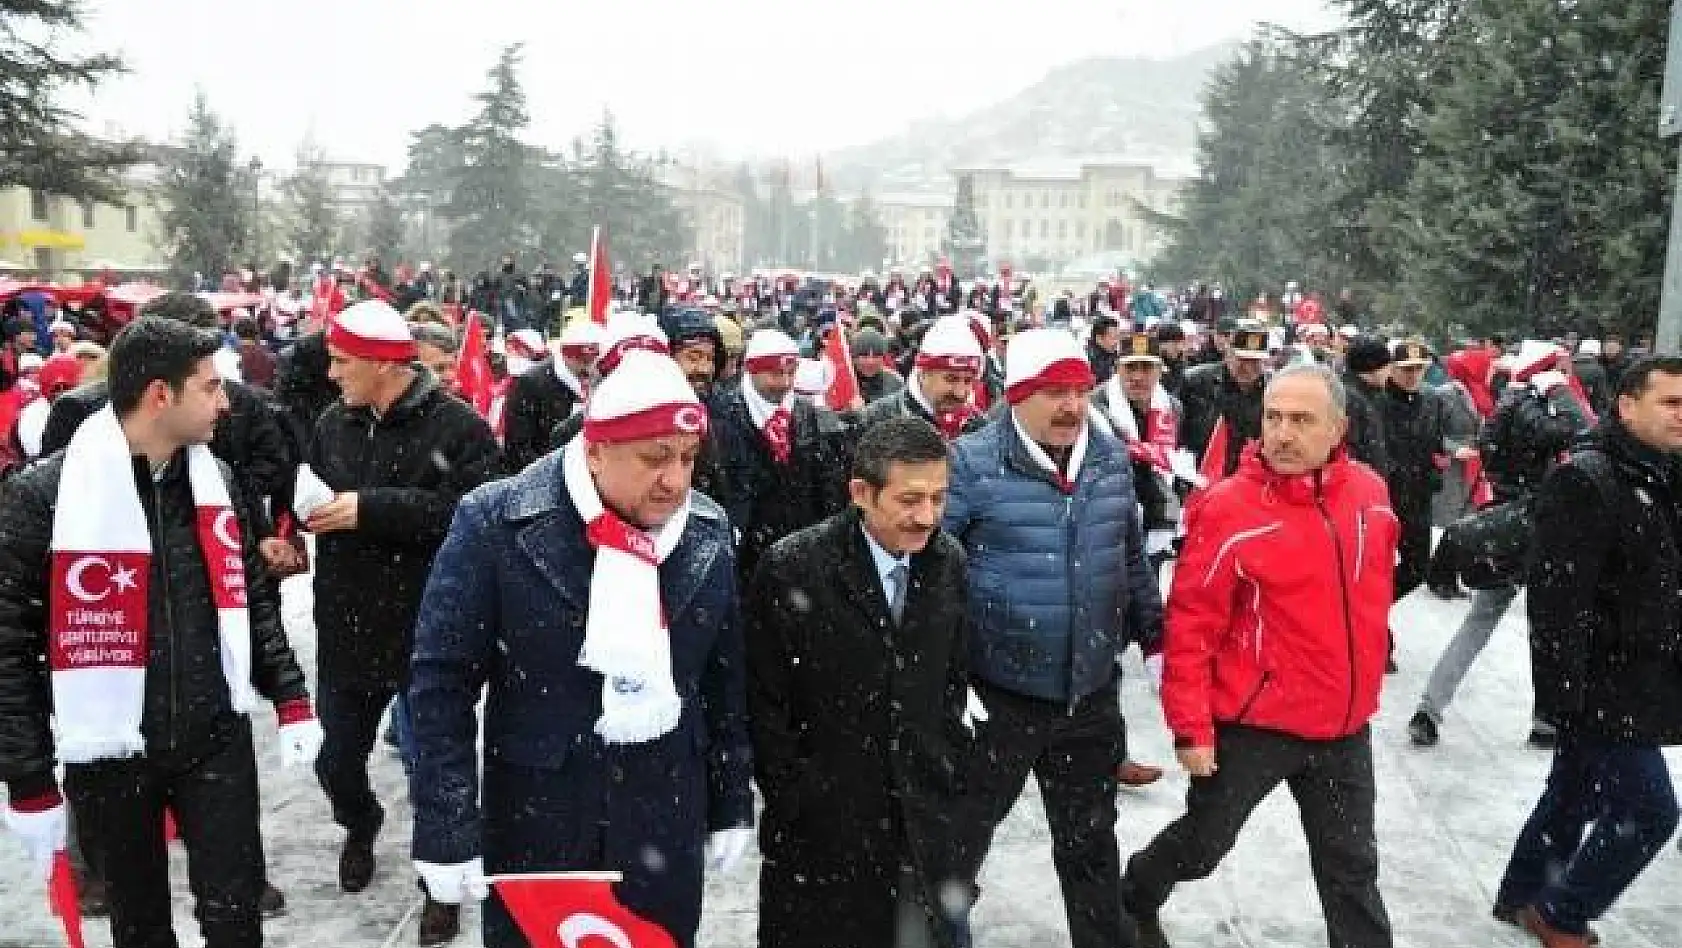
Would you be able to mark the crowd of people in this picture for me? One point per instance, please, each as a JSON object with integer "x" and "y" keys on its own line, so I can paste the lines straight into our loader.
{"x": 873, "y": 549}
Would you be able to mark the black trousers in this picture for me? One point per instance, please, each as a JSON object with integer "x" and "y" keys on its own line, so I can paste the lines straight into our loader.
{"x": 1333, "y": 785}
{"x": 214, "y": 798}
{"x": 1073, "y": 756}
{"x": 1414, "y": 550}
{"x": 350, "y": 715}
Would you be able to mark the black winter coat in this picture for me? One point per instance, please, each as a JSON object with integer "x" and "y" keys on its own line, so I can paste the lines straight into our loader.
{"x": 859, "y": 744}
{"x": 902, "y": 404}
{"x": 1415, "y": 426}
{"x": 538, "y": 401}
{"x": 302, "y": 389}
{"x": 1209, "y": 394}
{"x": 249, "y": 439}
{"x": 1606, "y": 592}
{"x": 767, "y": 501}
{"x": 1366, "y": 438}
{"x": 408, "y": 469}
{"x": 187, "y": 713}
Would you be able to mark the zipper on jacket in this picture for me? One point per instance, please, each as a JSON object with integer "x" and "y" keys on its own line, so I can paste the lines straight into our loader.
{"x": 1069, "y": 578}
{"x": 1255, "y": 694}
{"x": 159, "y": 546}
{"x": 1343, "y": 593}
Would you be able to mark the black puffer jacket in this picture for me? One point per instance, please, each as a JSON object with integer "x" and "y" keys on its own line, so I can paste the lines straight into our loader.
{"x": 249, "y": 439}
{"x": 1526, "y": 436}
{"x": 408, "y": 470}
{"x": 902, "y": 404}
{"x": 767, "y": 501}
{"x": 538, "y": 401}
{"x": 1210, "y": 393}
{"x": 187, "y": 711}
{"x": 1606, "y": 592}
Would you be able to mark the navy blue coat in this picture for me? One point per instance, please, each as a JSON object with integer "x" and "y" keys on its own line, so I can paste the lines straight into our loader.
{"x": 505, "y": 606}
{"x": 1058, "y": 584}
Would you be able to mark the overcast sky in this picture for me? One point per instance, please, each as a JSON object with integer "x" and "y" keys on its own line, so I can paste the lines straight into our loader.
{"x": 752, "y": 76}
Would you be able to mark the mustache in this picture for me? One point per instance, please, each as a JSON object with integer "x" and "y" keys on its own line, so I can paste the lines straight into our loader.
{"x": 1067, "y": 420}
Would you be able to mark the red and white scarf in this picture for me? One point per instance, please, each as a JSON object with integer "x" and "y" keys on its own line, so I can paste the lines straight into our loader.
{"x": 626, "y": 640}
{"x": 98, "y": 642}
{"x": 775, "y": 422}
{"x": 1157, "y": 443}
{"x": 951, "y": 423}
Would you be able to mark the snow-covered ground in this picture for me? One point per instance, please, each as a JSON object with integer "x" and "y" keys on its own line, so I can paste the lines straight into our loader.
{"x": 1446, "y": 819}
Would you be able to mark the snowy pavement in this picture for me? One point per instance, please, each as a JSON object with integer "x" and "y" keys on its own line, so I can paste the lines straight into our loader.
{"x": 1447, "y": 817}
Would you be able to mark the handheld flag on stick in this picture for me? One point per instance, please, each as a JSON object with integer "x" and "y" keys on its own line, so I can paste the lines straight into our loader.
{"x": 473, "y": 368}
{"x": 845, "y": 389}
{"x": 601, "y": 278}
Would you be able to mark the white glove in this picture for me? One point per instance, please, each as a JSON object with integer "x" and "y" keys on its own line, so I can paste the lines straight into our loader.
{"x": 1546, "y": 382}
{"x": 42, "y": 834}
{"x": 974, "y": 711}
{"x": 453, "y": 883}
{"x": 727, "y": 847}
{"x": 300, "y": 743}
{"x": 1158, "y": 541}
{"x": 1153, "y": 668}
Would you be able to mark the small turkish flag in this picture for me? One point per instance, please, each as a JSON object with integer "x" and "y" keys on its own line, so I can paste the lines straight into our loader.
{"x": 576, "y": 910}
{"x": 1213, "y": 467}
{"x": 473, "y": 368}
{"x": 62, "y": 897}
{"x": 601, "y": 278}
{"x": 845, "y": 389}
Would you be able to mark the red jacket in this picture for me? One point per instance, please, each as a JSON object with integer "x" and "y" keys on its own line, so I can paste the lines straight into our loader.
{"x": 1279, "y": 613}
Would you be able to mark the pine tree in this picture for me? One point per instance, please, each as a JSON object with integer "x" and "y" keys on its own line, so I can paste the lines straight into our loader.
{"x": 314, "y": 222}
{"x": 490, "y": 204}
{"x": 40, "y": 145}
{"x": 204, "y": 196}
{"x": 385, "y": 225}
{"x": 1540, "y": 200}
{"x": 964, "y": 243}
{"x": 866, "y": 237}
{"x": 620, "y": 190}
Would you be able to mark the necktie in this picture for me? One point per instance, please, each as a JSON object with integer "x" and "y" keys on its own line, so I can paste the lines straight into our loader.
{"x": 901, "y": 578}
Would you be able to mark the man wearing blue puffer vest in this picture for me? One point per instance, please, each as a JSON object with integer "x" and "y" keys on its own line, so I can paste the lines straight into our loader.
{"x": 1043, "y": 503}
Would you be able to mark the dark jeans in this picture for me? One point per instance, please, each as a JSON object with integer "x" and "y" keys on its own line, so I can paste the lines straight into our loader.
{"x": 1625, "y": 792}
{"x": 214, "y": 797}
{"x": 1073, "y": 756}
{"x": 350, "y": 715}
{"x": 1413, "y": 550}
{"x": 1332, "y": 782}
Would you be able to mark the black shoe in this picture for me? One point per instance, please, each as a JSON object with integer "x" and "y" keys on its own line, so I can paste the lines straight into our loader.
{"x": 271, "y": 903}
{"x": 1422, "y": 730}
{"x": 1445, "y": 591}
{"x": 92, "y": 898}
{"x": 1508, "y": 914}
{"x": 356, "y": 860}
{"x": 1390, "y": 666}
{"x": 439, "y": 923}
{"x": 1542, "y": 740}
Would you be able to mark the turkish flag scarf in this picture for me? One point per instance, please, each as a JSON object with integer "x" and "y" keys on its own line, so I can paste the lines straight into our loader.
{"x": 97, "y": 637}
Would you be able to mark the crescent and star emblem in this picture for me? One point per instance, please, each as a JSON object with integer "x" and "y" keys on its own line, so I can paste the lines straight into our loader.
{"x": 575, "y": 928}
{"x": 688, "y": 418}
{"x": 117, "y": 578}
{"x": 226, "y": 529}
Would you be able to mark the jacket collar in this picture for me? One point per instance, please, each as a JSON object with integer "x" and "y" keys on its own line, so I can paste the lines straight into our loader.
{"x": 551, "y": 534}
{"x": 1614, "y": 439}
{"x": 1299, "y": 489}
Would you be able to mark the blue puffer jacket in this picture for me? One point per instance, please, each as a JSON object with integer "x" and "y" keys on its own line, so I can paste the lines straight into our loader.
{"x": 1057, "y": 582}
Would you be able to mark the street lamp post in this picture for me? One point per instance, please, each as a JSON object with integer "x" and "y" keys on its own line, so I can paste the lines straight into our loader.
{"x": 256, "y": 211}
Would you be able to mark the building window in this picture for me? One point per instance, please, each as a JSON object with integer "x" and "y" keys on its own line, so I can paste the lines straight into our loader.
{"x": 1063, "y": 199}
{"x": 1062, "y": 230}
{"x": 87, "y": 215}
{"x": 1010, "y": 199}
{"x": 1010, "y": 229}
{"x": 1045, "y": 200}
{"x": 133, "y": 219}
{"x": 1081, "y": 200}
{"x": 43, "y": 260}
{"x": 1045, "y": 229}
{"x": 38, "y": 204}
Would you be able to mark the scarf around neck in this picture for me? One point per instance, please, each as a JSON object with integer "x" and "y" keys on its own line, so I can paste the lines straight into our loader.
{"x": 775, "y": 422}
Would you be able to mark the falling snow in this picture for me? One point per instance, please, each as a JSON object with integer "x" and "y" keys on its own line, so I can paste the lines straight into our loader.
{"x": 1446, "y": 819}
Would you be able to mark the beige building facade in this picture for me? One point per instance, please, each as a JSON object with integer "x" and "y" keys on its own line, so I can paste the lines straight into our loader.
{"x": 915, "y": 226}
{"x": 1061, "y": 214}
{"x": 717, "y": 215}
{"x": 56, "y": 237}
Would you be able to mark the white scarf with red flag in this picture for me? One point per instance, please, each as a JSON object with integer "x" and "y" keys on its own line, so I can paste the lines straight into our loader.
{"x": 98, "y": 642}
{"x": 1157, "y": 443}
{"x": 775, "y": 422}
{"x": 626, "y": 640}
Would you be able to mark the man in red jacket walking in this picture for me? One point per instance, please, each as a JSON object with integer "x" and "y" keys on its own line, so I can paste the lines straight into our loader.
{"x": 1277, "y": 631}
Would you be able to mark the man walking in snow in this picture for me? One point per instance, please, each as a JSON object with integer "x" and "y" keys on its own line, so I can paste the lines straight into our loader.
{"x": 1278, "y": 625}
{"x": 1604, "y": 623}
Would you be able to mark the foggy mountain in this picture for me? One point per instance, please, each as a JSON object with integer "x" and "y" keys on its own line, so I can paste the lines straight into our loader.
{"x": 1101, "y": 106}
